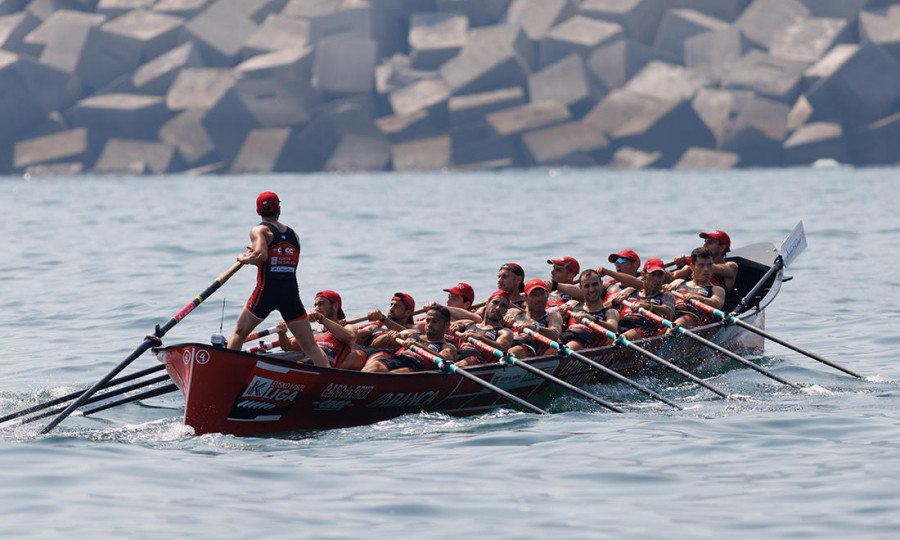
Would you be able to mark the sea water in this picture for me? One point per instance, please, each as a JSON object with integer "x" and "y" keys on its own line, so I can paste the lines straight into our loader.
{"x": 93, "y": 263}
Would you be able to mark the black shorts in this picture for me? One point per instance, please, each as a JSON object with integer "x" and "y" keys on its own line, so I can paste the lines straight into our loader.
{"x": 584, "y": 337}
{"x": 473, "y": 355}
{"x": 691, "y": 313}
{"x": 645, "y": 327}
{"x": 409, "y": 360}
{"x": 281, "y": 295}
{"x": 533, "y": 347}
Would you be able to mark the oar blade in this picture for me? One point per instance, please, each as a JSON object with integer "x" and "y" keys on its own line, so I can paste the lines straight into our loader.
{"x": 793, "y": 245}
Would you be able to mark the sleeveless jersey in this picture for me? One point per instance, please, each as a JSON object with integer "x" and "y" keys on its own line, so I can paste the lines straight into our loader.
{"x": 467, "y": 350}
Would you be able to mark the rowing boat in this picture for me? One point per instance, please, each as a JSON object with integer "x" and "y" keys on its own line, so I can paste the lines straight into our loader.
{"x": 240, "y": 393}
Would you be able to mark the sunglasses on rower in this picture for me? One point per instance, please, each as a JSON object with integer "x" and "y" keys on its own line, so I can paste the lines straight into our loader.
{"x": 622, "y": 260}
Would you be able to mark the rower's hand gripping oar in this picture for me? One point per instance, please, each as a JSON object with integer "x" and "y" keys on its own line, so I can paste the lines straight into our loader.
{"x": 669, "y": 324}
{"x": 447, "y": 366}
{"x": 731, "y": 319}
{"x": 619, "y": 339}
{"x": 513, "y": 361}
{"x": 148, "y": 342}
{"x": 563, "y": 349}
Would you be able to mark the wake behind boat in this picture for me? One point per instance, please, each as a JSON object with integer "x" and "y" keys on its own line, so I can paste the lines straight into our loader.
{"x": 241, "y": 393}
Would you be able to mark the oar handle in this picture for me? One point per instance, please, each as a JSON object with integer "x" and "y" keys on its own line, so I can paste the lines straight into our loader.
{"x": 262, "y": 333}
{"x": 647, "y": 313}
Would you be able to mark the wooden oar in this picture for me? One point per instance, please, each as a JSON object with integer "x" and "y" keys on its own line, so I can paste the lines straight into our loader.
{"x": 73, "y": 395}
{"x": 598, "y": 366}
{"x": 669, "y": 324}
{"x": 622, "y": 340}
{"x": 734, "y": 320}
{"x": 100, "y": 397}
{"x": 513, "y": 361}
{"x": 447, "y": 366}
{"x": 148, "y": 342}
{"x": 169, "y": 388}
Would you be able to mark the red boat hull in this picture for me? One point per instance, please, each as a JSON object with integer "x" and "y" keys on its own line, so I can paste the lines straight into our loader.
{"x": 240, "y": 393}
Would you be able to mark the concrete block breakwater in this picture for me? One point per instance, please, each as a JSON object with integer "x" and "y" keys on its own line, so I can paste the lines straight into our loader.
{"x": 257, "y": 86}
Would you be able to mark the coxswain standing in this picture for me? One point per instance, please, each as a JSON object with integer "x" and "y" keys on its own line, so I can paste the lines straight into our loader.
{"x": 275, "y": 250}
{"x": 336, "y": 339}
{"x": 651, "y": 297}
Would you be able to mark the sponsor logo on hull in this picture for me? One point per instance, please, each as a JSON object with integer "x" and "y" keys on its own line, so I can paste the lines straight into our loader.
{"x": 264, "y": 400}
{"x": 406, "y": 399}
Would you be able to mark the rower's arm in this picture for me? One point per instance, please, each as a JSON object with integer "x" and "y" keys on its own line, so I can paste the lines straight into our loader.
{"x": 553, "y": 328}
{"x": 625, "y": 279}
{"x": 345, "y": 333}
{"x": 457, "y": 314}
{"x": 727, "y": 272}
{"x": 257, "y": 252}
{"x": 570, "y": 289}
{"x": 504, "y": 340}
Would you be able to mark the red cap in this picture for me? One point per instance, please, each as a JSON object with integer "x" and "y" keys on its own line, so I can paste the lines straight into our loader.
{"x": 535, "y": 284}
{"x": 721, "y": 236}
{"x": 652, "y": 265}
{"x": 462, "y": 289}
{"x": 406, "y": 299}
{"x": 568, "y": 263}
{"x": 514, "y": 268}
{"x": 267, "y": 202}
{"x": 334, "y": 298}
{"x": 625, "y": 254}
{"x": 499, "y": 292}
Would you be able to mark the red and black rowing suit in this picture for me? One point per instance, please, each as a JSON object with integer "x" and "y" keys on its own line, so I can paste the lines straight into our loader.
{"x": 276, "y": 279}
{"x": 645, "y": 326}
{"x": 575, "y": 331}
{"x": 468, "y": 351}
{"x": 684, "y": 308}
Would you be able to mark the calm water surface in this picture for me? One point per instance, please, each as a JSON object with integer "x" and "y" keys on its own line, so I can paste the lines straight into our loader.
{"x": 94, "y": 263}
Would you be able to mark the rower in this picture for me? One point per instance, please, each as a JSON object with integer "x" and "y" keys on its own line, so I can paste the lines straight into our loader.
{"x": 336, "y": 339}
{"x": 724, "y": 272}
{"x": 626, "y": 274}
{"x": 372, "y": 336}
{"x": 490, "y": 331}
{"x": 511, "y": 278}
{"x": 577, "y": 336}
{"x": 459, "y": 302}
{"x": 562, "y": 281}
{"x": 405, "y": 360}
{"x": 651, "y": 297}
{"x": 538, "y": 319}
{"x": 699, "y": 288}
